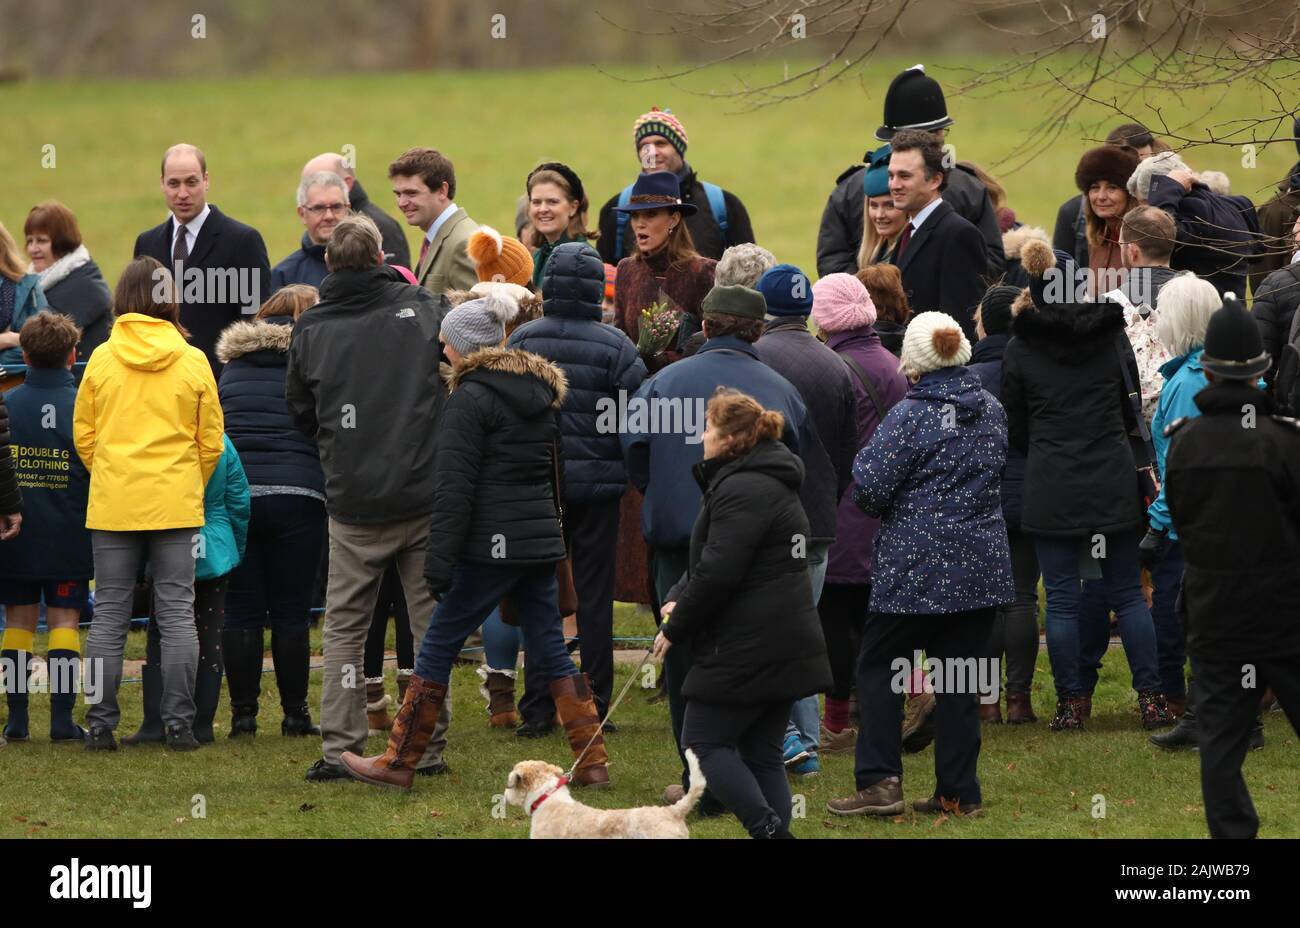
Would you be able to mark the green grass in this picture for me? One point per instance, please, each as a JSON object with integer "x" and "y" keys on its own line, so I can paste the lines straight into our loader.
{"x": 258, "y": 132}
{"x": 1036, "y": 783}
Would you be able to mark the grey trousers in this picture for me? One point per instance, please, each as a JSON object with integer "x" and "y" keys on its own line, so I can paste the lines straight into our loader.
{"x": 118, "y": 556}
{"x": 359, "y": 555}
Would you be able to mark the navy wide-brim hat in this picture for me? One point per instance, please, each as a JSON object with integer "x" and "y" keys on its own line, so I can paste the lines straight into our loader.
{"x": 657, "y": 190}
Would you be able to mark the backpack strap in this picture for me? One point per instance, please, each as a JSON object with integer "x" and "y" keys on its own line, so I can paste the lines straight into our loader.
{"x": 620, "y": 223}
{"x": 861, "y": 374}
{"x": 718, "y": 204}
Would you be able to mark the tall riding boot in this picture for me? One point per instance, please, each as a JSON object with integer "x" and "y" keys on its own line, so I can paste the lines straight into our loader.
{"x": 151, "y": 729}
{"x": 577, "y": 711}
{"x": 207, "y": 694}
{"x": 291, "y": 651}
{"x": 412, "y": 729}
{"x": 242, "y": 649}
{"x": 16, "y": 728}
{"x": 499, "y": 690}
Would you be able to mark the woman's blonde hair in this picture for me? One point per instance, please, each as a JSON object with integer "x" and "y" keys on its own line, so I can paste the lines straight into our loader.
{"x": 871, "y": 239}
{"x": 12, "y": 264}
{"x": 741, "y": 421}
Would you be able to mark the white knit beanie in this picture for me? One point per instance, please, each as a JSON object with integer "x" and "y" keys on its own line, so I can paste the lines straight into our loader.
{"x": 1161, "y": 163}
{"x": 933, "y": 340}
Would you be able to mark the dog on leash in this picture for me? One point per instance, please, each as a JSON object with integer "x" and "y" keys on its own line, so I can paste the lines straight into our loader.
{"x": 541, "y": 790}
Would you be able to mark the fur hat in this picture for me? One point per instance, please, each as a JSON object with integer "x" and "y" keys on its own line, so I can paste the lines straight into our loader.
{"x": 934, "y": 340}
{"x": 499, "y": 257}
{"x": 478, "y": 323}
{"x": 1114, "y": 163}
{"x": 840, "y": 303}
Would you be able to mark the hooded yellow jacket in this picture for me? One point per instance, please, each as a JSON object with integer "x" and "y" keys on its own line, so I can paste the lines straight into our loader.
{"x": 148, "y": 427}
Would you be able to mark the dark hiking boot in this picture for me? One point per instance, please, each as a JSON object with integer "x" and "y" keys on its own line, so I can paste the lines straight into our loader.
{"x": 324, "y": 772}
{"x": 884, "y": 797}
{"x": 937, "y": 804}
{"x": 181, "y": 738}
{"x": 100, "y": 738}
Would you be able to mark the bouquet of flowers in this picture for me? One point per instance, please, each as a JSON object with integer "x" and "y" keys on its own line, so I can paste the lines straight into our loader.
{"x": 658, "y": 328}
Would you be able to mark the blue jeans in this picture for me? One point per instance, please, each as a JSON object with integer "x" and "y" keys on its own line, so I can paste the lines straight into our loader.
{"x": 475, "y": 591}
{"x": 805, "y": 714}
{"x": 500, "y": 643}
{"x": 1171, "y": 641}
{"x": 1121, "y": 591}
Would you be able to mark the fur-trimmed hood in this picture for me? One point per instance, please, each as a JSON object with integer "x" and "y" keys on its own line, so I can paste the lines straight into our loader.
{"x": 244, "y": 338}
{"x": 1071, "y": 332}
{"x": 1014, "y": 239}
{"x": 527, "y": 381}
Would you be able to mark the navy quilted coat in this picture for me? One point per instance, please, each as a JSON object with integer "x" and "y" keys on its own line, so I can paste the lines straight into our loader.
{"x": 932, "y": 472}
{"x": 597, "y": 359}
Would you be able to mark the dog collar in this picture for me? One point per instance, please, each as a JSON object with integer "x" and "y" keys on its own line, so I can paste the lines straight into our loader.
{"x": 561, "y": 782}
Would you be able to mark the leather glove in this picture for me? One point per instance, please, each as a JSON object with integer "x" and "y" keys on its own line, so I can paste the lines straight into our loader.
{"x": 1152, "y": 548}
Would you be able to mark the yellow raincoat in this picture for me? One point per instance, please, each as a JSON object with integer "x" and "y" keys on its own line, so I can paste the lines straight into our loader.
{"x": 148, "y": 427}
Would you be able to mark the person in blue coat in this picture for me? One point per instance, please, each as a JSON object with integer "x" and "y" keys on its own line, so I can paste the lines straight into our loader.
{"x": 21, "y": 298}
{"x": 942, "y": 567}
{"x": 218, "y": 549}
{"x": 601, "y": 364}
{"x": 662, "y": 430}
{"x": 1183, "y": 315}
{"x": 50, "y": 559}
{"x": 322, "y": 205}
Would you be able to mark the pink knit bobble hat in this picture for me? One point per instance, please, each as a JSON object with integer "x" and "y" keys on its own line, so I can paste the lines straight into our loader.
{"x": 840, "y": 303}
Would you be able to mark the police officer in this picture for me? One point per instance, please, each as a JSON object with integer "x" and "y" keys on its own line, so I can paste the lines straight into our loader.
{"x": 1232, "y": 482}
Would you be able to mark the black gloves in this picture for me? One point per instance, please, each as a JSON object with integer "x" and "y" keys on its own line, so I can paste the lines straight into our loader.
{"x": 1152, "y": 548}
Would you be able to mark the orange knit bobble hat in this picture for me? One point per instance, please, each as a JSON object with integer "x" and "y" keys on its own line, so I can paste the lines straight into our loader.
{"x": 499, "y": 257}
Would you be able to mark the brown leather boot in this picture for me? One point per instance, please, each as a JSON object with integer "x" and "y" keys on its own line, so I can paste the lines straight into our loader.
{"x": 577, "y": 710}
{"x": 1019, "y": 709}
{"x": 412, "y": 729}
{"x": 377, "y": 703}
{"x": 499, "y": 689}
{"x": 991, "y": 713}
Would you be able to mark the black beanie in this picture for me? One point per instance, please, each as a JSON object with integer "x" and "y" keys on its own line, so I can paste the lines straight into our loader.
{"x": 995, "y": 309}
{"x": 1233, "y": 346}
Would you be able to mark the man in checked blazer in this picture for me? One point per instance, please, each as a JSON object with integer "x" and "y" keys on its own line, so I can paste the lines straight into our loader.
{"x": 940, "y": 255}
{"x": 424, "y": 183}
{"x": 223, "y": 263}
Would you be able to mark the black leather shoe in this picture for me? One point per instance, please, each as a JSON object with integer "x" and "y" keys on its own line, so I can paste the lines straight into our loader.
{"x": 243, "y": 721}
{"x": 100, "y": 738}
{"x": 181, "y": 738}
{"x": 1182, "y": 737}
{"x": 1257, "y": 734}
{"x": 323, "y": 771}
{"x": 436, "y": 770}
{"x": 533, "y": 730}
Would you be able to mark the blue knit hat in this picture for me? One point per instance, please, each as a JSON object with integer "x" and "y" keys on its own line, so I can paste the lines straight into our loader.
{"x": 787, "y": 290}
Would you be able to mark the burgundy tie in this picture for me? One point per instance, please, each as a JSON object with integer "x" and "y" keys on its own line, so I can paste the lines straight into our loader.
{"x": 902, "y": 242}
{"x": 424, "y": 250}
{"x": 180, "y": 252}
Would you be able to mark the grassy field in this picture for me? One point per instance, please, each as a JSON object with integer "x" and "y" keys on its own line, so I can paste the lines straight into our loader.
{"x": 258, "y": 132}
{"x": 1036, "y": 783}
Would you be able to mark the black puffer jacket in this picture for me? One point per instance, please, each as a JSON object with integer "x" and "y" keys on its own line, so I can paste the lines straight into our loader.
{"x": 1234, "y": 494}
{"x": 495, "y": 502}
{"x": 599, "y": 362}
{"x": 840, "y": 235}
{"x": 1067, "y": 410}
{"x": 84, "y": 295}
{"x": 11, "y": 500}
{"x": 745, "y": 602}
{"x": 1274, "y": 308}
{"x": 274, "y": 453}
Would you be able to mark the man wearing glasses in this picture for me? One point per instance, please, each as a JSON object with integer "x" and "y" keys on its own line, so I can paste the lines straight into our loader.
{"x": 322, "y": 205}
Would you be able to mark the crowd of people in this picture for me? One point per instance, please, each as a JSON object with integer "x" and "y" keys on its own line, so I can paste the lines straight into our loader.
{"x": 807, "y": 483}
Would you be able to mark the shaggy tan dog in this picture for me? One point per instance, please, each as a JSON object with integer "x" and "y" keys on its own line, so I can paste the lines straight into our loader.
{"x": 536, "y": 787}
